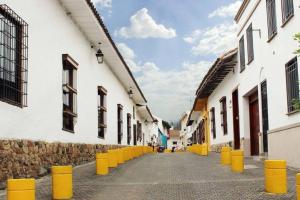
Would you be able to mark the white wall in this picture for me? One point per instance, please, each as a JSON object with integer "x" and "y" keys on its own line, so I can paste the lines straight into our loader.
{"x": 42, "y": 119}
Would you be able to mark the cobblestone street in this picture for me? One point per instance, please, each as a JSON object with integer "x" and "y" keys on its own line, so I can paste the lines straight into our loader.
{"x": 170, "y": 176}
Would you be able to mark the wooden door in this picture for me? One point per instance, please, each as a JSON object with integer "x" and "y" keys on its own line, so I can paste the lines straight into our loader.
{"x": 236, "y": 120}
{"x": 134, "y": 135}
{"x": 254, "y": 124}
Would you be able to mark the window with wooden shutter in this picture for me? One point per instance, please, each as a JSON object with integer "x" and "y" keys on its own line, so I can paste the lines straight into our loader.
{"x": 242, "y": 54}
{"x": 250, "y": 48}
{"x": 69, "y": 87}
{"x": 271, "y": 18}
{"x": 292, "y": 83}
{"x": 13, "y": 57}
{"x": 120, "y": 123}
{"x": 128, "y": 128}
{"x": 223, "y": 115}
{"x": 287, "y": 7}
{"x": 213, "y": 122}
{"x": 139, "y": 131}
{"x": 102, "y": 124}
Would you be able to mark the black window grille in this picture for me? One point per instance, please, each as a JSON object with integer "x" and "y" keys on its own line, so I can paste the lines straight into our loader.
{"x": 223, "y": 115}
{"x": 102, "y": 93}
{"x": 13, "y": 57}
{"x": 292, "y": 83}
{"x": 250, "y": 48}
{"x": 128, "y": 128}
{"x": 287, "y": 7}
{"x": 213, "y": 122}
{"x": 120, "y": 123}
{"x": 271, "y": 18}
{"x": 242, "y": 54}
{"x": 69, "y": 88}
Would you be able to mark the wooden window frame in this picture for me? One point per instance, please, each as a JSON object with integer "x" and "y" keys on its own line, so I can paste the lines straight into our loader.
{"x": 286, "y": 16}
{"x": 223, "y": 113}
{"x": 250, "y": 47}
{"x": 102, "y": 112}
{"x": 139, "y": 131}
{"x": 120, "y": 123}
{"x": 292, "y": 84}
{"x": 128, "y": 128}
{"x": 271, "y": 19}
{"x": 213, "y": 122}
{"x": 70, "y": 67}
{"x": 242, "y": 54}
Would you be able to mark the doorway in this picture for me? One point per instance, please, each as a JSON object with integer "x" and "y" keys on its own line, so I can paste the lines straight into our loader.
{"x": 254, "y": 123}
{"x": 236, "y": 120}
{"x": 134, "y": 135}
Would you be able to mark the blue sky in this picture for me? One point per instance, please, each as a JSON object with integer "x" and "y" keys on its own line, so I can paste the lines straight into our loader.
{"x": 170, "y": 44}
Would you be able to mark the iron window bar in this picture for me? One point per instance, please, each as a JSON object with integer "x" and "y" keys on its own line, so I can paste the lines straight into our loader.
{"x": 13, "y": 57}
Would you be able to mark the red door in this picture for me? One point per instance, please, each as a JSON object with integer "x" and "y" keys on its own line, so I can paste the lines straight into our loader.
{"x": 254, "y": 124}
{"x": 236, "y": 121}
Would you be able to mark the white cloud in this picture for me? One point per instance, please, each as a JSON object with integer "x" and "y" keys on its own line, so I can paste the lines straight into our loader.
{"x": 213, "y": 40}
{"x": 226, "y": 11}
{"x": 142, "y": 25}
{"x": 169, "y": 93}
{"x": 103, "y": 3}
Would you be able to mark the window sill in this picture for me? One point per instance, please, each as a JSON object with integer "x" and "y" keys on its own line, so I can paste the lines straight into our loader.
{"x": 271, "y": 38}
{"x": 242, "y": 70}
{"x": 250, "y": 61}
{"x": 101, "y": 137}
{"x": 287, "y": 20}
{"x": 67, "y": 130}
{"x": 293, "y": 112}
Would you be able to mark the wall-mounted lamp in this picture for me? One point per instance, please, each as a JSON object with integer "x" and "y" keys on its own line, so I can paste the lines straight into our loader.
{"x": 146, "y": 122}
{"x": 130, "y": 93}
{"x": 100, "y": 56}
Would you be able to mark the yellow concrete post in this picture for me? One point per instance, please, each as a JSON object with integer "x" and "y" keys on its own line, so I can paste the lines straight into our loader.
{"x": 120, "y": 156}
{"x": 20, "y": 189}
{"x": 102, "y": 164}
{"x": 226, "y": 156}
{"x": 204, "y": 150}
{"x": 112, "y": 158}
{"x": 62, "y": 182}
{"x": 237, "y": 161}
{"x": 199, "y": 149}
{"x": 298, "y": 186}
{"x": 275, "y": 176}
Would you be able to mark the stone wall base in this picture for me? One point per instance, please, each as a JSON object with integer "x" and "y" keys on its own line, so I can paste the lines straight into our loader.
{"x": 33, "y": 159}
{"x": 217, "y": 147}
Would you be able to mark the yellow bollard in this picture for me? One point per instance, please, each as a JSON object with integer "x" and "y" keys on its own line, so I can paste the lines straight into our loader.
{"x": 102, "y": 164}
{"x": 226, "y": 156}
{"x": 204, "y": 149}
{"x": 120, "y": 156}
{"x": 275, "y": 176}
{"x": 112, "y": 158}
{"x": 237, "y": 161}
{"x": 62, "y": 186}
{"x": 20, "y": 189}
{"x": 298, "y": 186}
{"x": 198, "y": 150}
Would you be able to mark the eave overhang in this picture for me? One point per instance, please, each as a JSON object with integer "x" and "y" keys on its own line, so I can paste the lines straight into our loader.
{"x": 217, "y": 73}
{"x": 145, "y": 113}
{"x": 88, "y": 20}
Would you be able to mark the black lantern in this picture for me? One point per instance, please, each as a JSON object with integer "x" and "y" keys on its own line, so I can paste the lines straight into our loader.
{"x": 100, "y": 56}
{"x": 130, "y": 93}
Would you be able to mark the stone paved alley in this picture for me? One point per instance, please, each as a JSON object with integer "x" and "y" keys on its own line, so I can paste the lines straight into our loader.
{"x": 179, "y": 176}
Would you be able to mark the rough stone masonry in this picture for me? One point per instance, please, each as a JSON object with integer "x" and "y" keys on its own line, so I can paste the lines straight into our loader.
{"x": 33, "y": 159}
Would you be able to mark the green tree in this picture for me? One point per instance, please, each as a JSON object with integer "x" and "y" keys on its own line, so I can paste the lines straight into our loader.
{"x": 297, "y": 102}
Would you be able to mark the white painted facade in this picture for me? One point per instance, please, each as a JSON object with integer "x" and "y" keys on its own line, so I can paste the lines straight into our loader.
{"x": 270, "y": 58}
{"x": 55, "y": 29}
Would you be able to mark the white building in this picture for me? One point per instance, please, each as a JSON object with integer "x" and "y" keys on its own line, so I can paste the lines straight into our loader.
{"x": 53, "y": 87}
{"x": 249, "y": 97}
